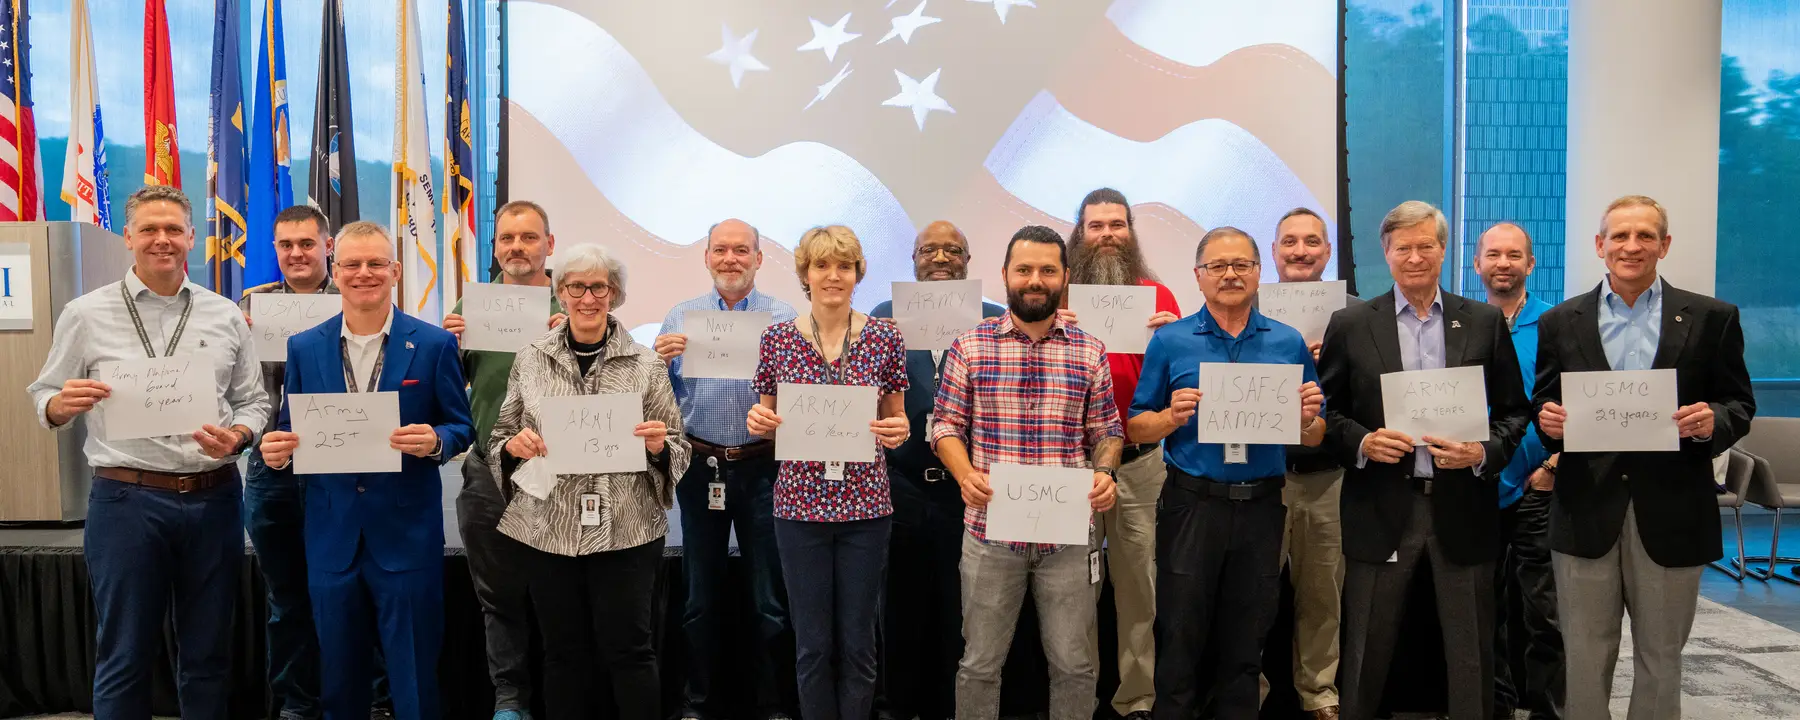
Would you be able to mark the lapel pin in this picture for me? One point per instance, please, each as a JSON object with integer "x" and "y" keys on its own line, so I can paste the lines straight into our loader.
{"x": 1456, "y": 323}
{"x": 409, "y": 345}
{"x": 1677, "y": 318}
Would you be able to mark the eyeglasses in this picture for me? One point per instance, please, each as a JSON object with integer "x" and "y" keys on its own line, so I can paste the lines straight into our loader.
{"x": 372, "y": 265}
{"x": 1241, "y": 267}
{"x": 951, "y": 251}
{"x": 576, "y": 291}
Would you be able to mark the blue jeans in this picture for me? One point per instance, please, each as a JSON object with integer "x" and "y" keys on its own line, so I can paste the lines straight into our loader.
{"x": 152, "y": 553}
{"x": 705, "y": 537}
{"x": 835, "y": 576}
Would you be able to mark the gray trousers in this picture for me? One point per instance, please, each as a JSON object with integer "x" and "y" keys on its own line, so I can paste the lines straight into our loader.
{"x": 1375, "y": 600}
{"x": 994, "y": 579}
{"x": 498, "y": 568}
{"x": 1592, "y": 595}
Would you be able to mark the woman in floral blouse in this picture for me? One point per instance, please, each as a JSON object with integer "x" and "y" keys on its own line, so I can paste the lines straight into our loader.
{"x": 832, "y": 523}
{"x": 598, "y": 539}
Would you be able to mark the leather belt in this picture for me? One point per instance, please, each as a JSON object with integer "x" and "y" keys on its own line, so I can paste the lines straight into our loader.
{"x": 735, "y": 453}
{"x": 1239, "y": 491}
{"x": 164, "y": 481}
{"x": 1422, "y": 485}
{"x": 1133, "y": 452}
{"x": 1309, "y": 465}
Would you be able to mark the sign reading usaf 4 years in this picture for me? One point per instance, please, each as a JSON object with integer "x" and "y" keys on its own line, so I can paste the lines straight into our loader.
{"x": 931, "y": 314}
{"x": 345, "y": 432}
{"x": 1251, "y": 403}
{"x": 275, "y": 317}
{"x": 1303, "y": 306}
{"x": 825, "y": 423}
{"x": 592, "y": 433}
{"x": 722, "y": 344}
{"x": 503, "y": 318}
{"x": 15, "y": 286}
{"x": 1620, "y": 411}
{"x": 157, "y": 397}
{"x": 1117, "y": 314}
{"x": 1449, "y": 404}
{"x": 1037, "y": 504}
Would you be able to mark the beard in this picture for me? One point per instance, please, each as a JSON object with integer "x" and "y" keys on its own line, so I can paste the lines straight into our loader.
{"x": 1091, "y": 264}
{"x": 1505, "y": 285}
{"x": 1031, "y": 311}
{"x": 734, "y": 286}
{"x": 516, "y": 267}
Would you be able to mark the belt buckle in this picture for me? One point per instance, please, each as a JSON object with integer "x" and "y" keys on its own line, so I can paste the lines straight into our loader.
{"x": 186, "y": 483}
{"x": 1238, "y": 491}
{"x": 936, "y": 475}
{"x": 733, "y": 454}
{"x": 1425, "y": 485}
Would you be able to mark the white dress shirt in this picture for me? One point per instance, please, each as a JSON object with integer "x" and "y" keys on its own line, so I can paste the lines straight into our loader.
{"x": 363, "y": 351}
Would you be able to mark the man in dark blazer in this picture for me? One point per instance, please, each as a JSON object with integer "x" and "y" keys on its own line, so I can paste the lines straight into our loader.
{"x": 1632, "y": 530}
{"x": 1438, "y": 501}
{"x": 375, "y": 541}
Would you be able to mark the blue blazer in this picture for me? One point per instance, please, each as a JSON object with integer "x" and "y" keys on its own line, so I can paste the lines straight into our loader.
{"x": 399, "y": 516}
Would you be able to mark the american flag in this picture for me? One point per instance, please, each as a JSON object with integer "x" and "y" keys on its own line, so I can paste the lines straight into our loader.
{"x": 21, "y": 170}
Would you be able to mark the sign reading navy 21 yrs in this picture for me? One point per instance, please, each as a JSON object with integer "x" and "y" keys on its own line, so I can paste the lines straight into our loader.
{"x": 1250, "y": 403}
{"x": 1449, "y": 404}
{"x": 932, "y": 314}
{"x": 722, "y": 344}
{"x": 825, "y": 423}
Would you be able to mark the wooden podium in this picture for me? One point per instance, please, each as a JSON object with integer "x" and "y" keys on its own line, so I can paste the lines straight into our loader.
{"x": 43, "y": 474}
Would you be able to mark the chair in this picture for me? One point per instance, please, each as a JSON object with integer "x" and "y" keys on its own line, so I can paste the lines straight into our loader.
{"x": 1775, "y": 484}
{"x": 1737, "y": 480}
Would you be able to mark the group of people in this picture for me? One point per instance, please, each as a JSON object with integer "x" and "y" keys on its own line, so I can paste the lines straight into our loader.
{"x": 1522, "y": 540}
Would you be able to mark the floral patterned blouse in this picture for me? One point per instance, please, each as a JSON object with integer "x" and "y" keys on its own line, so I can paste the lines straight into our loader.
{"x": 876, "y": 358}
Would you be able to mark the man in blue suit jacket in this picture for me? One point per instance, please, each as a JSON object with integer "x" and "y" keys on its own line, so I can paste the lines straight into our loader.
{"x": 375, "y": 541}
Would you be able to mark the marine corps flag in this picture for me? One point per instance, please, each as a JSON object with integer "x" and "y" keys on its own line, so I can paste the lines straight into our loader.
{"x": 162, "y": 159}
{"x": 459, "y": 153}
{"x": 331, "y": 181}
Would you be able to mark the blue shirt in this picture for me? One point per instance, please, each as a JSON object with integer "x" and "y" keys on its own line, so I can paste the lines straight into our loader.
{"x": 1173, "y": 362}
{"x": 713, "y": 409}
{"x": 1630, "y": 332}
{"x": 1531, "y": 452}
{"x": 1421, "y": 348}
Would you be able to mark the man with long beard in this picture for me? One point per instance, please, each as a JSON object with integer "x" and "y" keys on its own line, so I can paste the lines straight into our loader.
{"x": 1104, "y": 250}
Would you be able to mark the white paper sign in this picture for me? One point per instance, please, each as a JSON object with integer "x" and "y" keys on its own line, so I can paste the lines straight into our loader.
{"x": 1620, "y": 411}
{"x": 722, "y": 344}
{"x": 931, "y": 314}
{"x": 591, "y": 434}
{"x": 825, "y": 423}
{"x": 15, "y": 286}
{"x": 157, "y": 398}
{"x": 1251, "y": 403}
{"x": 345, "y": 432}
{"x": 1303, "y": 306}
{"x": 534, "y": 477}
{"x": 1117, "y": 314}
{"x": 503, "y": 318}
{"x": 1449, "y": 404}
{"x": 275, "y": 317}
{"x": 1039, "y": 504}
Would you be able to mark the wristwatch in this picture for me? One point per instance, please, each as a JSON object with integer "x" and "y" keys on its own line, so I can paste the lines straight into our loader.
{"x": 1111, "y": 473}
{"x": 244, "y": 444}
{"x": 1547, "y": 467}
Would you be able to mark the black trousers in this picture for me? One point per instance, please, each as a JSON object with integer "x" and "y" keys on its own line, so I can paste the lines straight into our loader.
{"x": 1218, "y": 574}
{"x": 595, "y": 611}
{"x": 921, "y": 621}
{"x": 1528, "y": 645}
{"x": 497, "y": 570}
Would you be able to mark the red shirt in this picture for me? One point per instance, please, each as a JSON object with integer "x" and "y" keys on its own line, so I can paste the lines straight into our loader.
{"x": 1126, "y": 367}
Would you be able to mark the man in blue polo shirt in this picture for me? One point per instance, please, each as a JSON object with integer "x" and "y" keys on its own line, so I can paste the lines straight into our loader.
{"x": 1219, "y": 520}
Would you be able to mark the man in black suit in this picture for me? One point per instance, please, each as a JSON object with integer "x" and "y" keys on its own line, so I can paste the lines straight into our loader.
{"x": 1439, "y": 500}
{"x": 1632, "y": 530}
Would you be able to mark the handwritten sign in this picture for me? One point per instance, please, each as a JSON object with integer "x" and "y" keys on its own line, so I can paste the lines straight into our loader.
{"x": 591, "y": 434}
{"x": 157, "y": 398}
{"x": 1037, "y": 504}
{"x": 1303, "y": 306}
{"x": 1251, "y": 403}
{"x": 345, "y": 432}
{"x": 503, "y": 318}
{"x": 1450, "y": 404}
{"x": 931, "y": 314}
{"x": 275, "y": 317}
{"x": 15, "y": 286}
{"x": 825, "y": 423}
{"x": 1620, "y": 411}
{"x": 722, "y": 344}
{"x": 1117, "y": 314}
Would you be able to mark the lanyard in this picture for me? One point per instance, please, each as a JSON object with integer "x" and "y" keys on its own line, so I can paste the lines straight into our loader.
{"x": 350, "y": 373}
{"x": 831, "y": 373}
{"x": 138, "y": 321}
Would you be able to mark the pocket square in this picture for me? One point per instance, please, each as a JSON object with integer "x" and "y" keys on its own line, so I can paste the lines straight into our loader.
{"x": 408, "y": 383}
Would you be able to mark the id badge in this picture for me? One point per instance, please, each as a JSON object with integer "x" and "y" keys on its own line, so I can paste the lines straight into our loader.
{"x": 715, "y": 496}
{"x": 1093, "y": 567}
{"x": 834, "y": 470}
{"x": 1236, "y": 454}
{"x": 590, "y": 510}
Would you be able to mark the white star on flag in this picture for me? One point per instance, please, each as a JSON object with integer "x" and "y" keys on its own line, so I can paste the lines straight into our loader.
{"x": 1001, "y": 6}
{"x": 830, "y": 85}
{"x": 905, "y": 24}
{"x": 829, "y": 37}
{"x": 734, "y": 53}
{"x": 921, "y": 96}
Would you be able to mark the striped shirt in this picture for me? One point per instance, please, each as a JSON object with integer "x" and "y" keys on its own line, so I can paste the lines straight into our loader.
{"x": 713, "y": 409}
{"x": 1026, "y": 402}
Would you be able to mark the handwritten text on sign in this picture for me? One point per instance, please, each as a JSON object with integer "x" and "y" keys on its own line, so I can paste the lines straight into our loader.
{"x": 156, "y": 398}
{"x": 931, "y": 314}
{"x": 722, "y": 344}
{"x": 275, "y": 317}
{"x": 1449, "y": 404}
{"x": 1039, "y": 504}
{"x": 825, "y": 423}
{"x": 1252, "y": 403}
{"x": 1117, "y": 314}
{"x": 503, "y": 318}
{"x": 591, "y": 434}
{"x": 345, "y": 432}
{"x": 1303, "y": 306}
{"x": 1620, "y": 411}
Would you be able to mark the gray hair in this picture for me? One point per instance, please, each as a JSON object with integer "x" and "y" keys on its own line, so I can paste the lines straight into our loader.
{"x": 1413, "y": 212}
{"x": 589, "y": 257}
{"x": 364, "y": 228}
{"x": 159, "y": 193}
{"x": 1662, "y": 215}
{"x": 1220, "y": 233}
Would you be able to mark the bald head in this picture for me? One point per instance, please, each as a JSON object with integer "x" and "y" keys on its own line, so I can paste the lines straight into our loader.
{"x": 733, "y": 255}
{"x": 940, "y": 252}
{"x": 1503, "y": 259}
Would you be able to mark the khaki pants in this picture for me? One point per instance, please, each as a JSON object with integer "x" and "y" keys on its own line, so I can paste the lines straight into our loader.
{"x": 1312, "y": 546}
{"x": 1129, "y": 533}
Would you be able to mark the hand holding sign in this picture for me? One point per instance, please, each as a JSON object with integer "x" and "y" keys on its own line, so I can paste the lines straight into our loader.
{"x": 931, "y": 314}
{"x": 344, "y": 432}
{"x": 1303, "y": 306}
{"x": 158, "y": 397}
{"x": 1117, "y": 314}
{"x": 1449, "y": 404}
{"x": 1037, "y": 504}
{"x": 717, "y": 344}
{"x": 825, "y": 423}
{"x": 591, "y": 434}
{"x": 1620, "y": 411}
{"x": 1250, "y": 403}
{"x": 503, "y": 318}
{"x": 275, "y": 317}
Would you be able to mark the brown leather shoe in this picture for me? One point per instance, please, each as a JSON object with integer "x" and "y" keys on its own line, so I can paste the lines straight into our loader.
{"x": 1325, "y": 713}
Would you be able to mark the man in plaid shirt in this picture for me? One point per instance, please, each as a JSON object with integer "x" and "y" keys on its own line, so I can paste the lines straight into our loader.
{"x": 1025, "y": 388}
